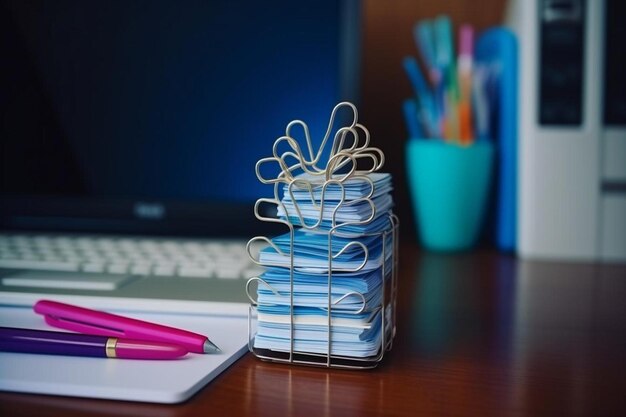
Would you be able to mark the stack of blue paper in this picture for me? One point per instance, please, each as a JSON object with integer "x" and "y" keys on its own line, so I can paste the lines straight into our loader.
{"x": 323, "y": 289}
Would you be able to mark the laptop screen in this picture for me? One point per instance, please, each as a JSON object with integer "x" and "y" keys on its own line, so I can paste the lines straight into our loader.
{"x": 149, "y": 116}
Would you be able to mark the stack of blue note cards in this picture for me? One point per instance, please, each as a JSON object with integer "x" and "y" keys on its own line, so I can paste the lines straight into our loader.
{"x": 354, "y": 255}
{"x": 328, "y": 290}
{"x": 358, "y": 204}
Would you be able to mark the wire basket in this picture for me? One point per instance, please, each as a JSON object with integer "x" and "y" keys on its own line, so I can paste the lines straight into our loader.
{"x": 317, "y": 204}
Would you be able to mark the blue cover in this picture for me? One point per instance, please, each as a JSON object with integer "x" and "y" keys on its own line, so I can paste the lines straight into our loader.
{"x": 497, "y": 49}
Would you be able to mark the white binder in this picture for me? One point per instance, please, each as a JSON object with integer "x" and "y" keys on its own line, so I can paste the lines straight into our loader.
{"x": 572, "y": 178}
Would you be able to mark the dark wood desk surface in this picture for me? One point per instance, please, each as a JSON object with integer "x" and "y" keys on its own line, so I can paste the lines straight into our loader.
{"x": 478, "y": 334}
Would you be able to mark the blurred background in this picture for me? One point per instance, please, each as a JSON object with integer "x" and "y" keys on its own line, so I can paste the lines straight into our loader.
{"x": 109, "y": 104}
{"x": 387, "y": 39}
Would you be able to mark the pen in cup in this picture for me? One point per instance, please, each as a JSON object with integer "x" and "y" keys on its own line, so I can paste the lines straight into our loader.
{"x": 464, "y": 68}
{"x": 426, "y": 107}
{"x": 411, "y": 119}
{"x": 457, "y": 100}
{"x": 424, "y": 40}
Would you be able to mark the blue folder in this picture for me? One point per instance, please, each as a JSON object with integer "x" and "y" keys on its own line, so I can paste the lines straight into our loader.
{"x": 497, "y": 48}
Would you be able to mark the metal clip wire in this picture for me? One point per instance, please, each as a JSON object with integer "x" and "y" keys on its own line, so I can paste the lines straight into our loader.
{"x": 298, "y": 170}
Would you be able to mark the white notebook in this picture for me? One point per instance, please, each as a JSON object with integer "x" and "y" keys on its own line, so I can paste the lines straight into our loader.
{"x": 171, "y": 381}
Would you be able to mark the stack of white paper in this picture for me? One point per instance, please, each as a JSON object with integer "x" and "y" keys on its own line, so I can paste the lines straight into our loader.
{"x": 333, "y": 262}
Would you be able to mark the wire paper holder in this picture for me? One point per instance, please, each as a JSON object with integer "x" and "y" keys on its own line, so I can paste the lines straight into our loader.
{"x": 345, "y": 153}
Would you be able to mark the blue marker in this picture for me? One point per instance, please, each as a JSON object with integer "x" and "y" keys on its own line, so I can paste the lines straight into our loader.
{"x": 416, "y": 77}
{"x": 427, "y": 108}
{"x": 424, "y": 39}
{"x": 443, "y": 43}
{"x": 411, "y": 118}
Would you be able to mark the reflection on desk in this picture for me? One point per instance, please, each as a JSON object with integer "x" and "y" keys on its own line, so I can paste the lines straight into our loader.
{"x": 478, "y": 334}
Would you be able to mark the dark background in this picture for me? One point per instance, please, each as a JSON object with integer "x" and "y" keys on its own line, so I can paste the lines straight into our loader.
{"x": 385, "y": 39}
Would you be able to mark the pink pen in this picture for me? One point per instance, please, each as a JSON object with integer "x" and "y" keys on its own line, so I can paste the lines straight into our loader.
{"x": 84, "y": 320}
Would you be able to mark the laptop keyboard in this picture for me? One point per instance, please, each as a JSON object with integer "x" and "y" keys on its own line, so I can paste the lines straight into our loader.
{"x": 130, "y": 256}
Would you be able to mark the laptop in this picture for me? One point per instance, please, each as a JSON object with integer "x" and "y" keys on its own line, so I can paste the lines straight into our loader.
{"x": 129, "y": 135}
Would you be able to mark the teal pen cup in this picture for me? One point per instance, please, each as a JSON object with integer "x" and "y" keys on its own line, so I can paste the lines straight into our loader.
{"x": 449, "y": 186}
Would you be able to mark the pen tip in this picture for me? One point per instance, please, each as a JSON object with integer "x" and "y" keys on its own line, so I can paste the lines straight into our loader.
{"x": 210, "y": 347}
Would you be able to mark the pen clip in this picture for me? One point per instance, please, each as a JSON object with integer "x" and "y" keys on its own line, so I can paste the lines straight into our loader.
{"x": 82, "y": 327}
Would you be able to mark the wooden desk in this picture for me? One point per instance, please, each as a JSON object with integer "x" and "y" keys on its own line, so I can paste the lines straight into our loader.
{"x": 478, "y": 334}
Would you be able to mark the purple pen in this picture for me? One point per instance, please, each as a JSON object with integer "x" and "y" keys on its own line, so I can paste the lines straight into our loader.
{"x": 74, "y": 344}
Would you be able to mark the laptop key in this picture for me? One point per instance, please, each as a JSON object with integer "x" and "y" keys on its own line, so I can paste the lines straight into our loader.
{"x": 93, "y": 267}
{"x": 50, "y": 279}
{"x": 43, "y": 265}
{"x": 164, "y": 270}
{"x": 117, "y": 268}
{"x": 195, "y": 272}
{"x": 140, "y": 269}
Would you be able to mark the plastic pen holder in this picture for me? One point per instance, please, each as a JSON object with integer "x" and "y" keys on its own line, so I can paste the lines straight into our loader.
{"x": 449, "y": 186}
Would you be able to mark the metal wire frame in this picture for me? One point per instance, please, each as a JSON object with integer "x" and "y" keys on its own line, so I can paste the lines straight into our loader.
{"x": 387, "y": 315}
{"x": 343, "y": 154}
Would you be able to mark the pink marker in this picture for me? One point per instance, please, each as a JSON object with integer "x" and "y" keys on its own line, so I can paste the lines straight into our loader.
{"x": 464, "y": 68}
{"x": 84, "y": 320}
